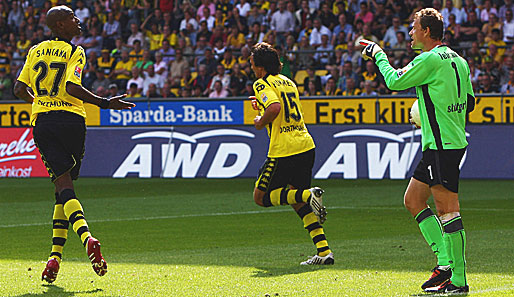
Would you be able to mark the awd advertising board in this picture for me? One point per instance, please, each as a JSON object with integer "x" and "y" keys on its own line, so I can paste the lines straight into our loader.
{"x": 344, "y": 151}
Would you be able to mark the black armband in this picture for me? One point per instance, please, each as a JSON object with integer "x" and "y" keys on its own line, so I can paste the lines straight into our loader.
{"x": 104, "y": 104}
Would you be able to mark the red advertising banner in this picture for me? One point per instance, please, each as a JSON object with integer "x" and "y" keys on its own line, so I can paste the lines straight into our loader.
{"x": 19, "y": 156}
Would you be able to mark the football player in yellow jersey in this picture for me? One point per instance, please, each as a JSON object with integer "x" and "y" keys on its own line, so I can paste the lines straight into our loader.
{"x": 285, "y": 177}
{"x": 53, "y": 72}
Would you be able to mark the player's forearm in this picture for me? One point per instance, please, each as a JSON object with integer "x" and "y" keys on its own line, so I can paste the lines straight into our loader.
{"x": 85, "y": 95}
{"x": 269, "y": 115}
{"x": 21, "y": 91}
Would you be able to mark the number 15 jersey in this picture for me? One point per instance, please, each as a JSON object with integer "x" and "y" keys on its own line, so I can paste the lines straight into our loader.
{"x": 49, "y": 65}
{"x": 288, "y": 134}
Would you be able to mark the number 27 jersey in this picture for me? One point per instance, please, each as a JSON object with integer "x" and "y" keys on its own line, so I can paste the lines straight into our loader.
{"x": 49, "y": 65}
{"x": 288, "y": 133}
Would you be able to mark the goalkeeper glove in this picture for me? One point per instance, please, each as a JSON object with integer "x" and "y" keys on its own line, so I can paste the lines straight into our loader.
{"x": 370, "y": 49}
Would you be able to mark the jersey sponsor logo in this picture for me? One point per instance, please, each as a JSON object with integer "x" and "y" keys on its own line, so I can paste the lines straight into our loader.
{"x": 259, "y": 87}
{"x": 404, "y": 70}
{"x": 54, "y": 103}
{"x": 264, "y": 98}
{"x": 457, "y": 107}
{"x": 291, "y": 128}
{"x": 78, "y": 71}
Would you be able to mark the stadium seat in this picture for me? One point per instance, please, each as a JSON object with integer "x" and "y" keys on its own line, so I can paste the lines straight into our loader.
{"x": 321, "y": 72}
{"x": 300, "y": 76}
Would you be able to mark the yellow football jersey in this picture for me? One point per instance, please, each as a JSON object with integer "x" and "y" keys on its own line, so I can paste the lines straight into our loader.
{"x": 49, "y": 65}
{"x": 288, "y": 133}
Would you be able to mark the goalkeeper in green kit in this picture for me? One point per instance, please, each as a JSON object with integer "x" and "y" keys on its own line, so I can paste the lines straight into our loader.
{"x": 445, "y": 95}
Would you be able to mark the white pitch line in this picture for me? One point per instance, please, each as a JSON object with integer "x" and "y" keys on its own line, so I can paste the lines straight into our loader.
{"x": 233, "y": 213}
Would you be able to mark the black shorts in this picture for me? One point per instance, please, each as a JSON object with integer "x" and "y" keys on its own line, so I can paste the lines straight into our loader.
{"x": 295, "y": 170}
{"x": 60, "y": 138}
{"x": 440, "y": 168}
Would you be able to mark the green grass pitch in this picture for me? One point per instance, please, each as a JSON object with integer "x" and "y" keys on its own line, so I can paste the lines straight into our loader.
{"x": 199, "y": 237}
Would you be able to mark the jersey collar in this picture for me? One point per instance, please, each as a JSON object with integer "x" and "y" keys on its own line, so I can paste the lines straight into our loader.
{"x": 57, "y": 38}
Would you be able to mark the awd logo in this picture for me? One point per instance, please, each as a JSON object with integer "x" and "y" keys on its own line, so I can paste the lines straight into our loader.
{"x": 174, "y": 157}
{"x": 378, "y": 156}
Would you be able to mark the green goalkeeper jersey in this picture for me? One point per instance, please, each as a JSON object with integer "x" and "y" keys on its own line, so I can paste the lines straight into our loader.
{"x": 443, "y": 86}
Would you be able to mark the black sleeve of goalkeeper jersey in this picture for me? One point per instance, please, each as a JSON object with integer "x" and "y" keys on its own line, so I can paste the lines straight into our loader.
{"x": 470, "y": 106}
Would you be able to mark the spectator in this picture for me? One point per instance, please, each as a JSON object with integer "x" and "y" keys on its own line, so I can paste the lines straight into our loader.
{"x": 185, "y": 92}
{"x": 155, "y": 37}
{"x": 254, "y": 16}
{"x": 207, "y": 18}
{"x": 499, "y": 44}
{"x": 255, "y": 33}
{"x": 488, "y": 27}
{"x": 111, "y": 31}
{"x": 317, "y": 32}
{"x": 93, "y": 43}
{"x": 346, "y": 75}
{"x": 235, "y": 39}
{"x": 178, "y": 66}
{"x": 331, "y": 88}
{"x": 151, "y": 78}
{"x": 470, "y": 29}
{"x": 186, "y": 80}
{"x": 102, "y": 92}
{"x": 508, "y": 27}
{"x": 486, "y": 85}
{"x": 135, "y": 34}
{"x": 460, "y": 13}
{"x": 371, "y": 74}
{"x": 507, "y": 88}
{"x": 209, "y": 61}
{"x": 400, "y": 45}
{"x": 486, "y": 11}
{"x": 161, "y": 67}
{"x": 311, "y": 76}
{"x": 237, "y": 80}
{"x": 365, "y": 15}
{"x": 200, "y": 14}
{"x": 324, "y": 51}
{"x": 243, "y": 7}
{"x": 282, "y": 23}
{"x": 136, "y": 79}
{"x": 152, "y": 91}
{"x": 188, "y": 20}
{"x": 5, "y": 85}
{"x": 390, "y": 35}
{"x": 101, "y": 81}
{"x": 105, "y": 62}
{"x": 204, "y": 32}
{"x": 342, "y": 26}
{"x": 82, "y": 12}
{"x": 305, "y": 56}
{"x": 145, "y": 62}
{"x": 504, "y": 8}
{"x": 453, "y": 27}
{"x": 328, "y": 19}
{"x": 122, "y": 70}
{"x": 366, "y": 34}
{"x": 352, "y": 56}
{"x": 219, "y": 91}
{"x": 113, "y": 91}
{"x": 202, "y": 78}
{"x": 351, "y": 89}
{"x": 16, "y": 16}
{"x": 132, "y": 91}
{"x": 168, "y": 53}
{"x": 228, "y": 60}
{"x": 222, "y": 76}
{"x": 245, "y": 57}
{"x": 311, "y": 90}
{"x": 166, "y": 91}
{"x": 368, "y": 89}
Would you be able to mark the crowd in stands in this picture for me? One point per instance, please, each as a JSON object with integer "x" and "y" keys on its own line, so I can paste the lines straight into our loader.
{"x": 201, "y": 48}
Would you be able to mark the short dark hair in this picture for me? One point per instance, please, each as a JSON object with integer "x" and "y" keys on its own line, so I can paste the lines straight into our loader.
{"x": 431, "y": 18}
{"x": 264, "y": 55}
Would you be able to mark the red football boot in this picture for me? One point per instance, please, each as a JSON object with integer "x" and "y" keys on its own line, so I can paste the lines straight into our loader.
{"x": 95, "y": 256}
{"x": 51, "y": 270}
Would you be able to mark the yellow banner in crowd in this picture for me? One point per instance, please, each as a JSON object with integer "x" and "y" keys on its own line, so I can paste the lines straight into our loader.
{"x": 18, "y": 114}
